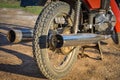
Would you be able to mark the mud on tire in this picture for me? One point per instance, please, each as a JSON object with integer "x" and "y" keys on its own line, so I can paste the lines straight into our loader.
{"x": 41, "y": 30}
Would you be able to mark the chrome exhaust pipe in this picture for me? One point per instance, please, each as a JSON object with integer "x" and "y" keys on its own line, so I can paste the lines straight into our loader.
{"x": 59, "y": 41}
{"x": 18, "y": 35}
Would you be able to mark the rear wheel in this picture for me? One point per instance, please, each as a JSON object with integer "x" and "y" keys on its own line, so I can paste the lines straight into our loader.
{"x": 54, "y": 63}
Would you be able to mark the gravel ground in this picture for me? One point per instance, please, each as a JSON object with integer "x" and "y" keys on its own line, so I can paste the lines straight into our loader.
{"x": 17, "y": 62}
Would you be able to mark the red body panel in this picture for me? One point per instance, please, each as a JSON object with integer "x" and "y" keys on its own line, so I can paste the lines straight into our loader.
{"x": 93, "y": 4}
{"x": 116, "y": 12}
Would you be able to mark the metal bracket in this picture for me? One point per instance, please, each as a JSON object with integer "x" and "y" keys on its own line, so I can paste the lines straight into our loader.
{"x": 97, "y": 46}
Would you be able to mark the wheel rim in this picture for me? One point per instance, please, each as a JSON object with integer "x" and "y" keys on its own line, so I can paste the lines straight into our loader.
{"x": 57, "y": 59}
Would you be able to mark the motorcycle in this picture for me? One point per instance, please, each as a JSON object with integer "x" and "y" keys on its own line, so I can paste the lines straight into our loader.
{"x": 65, "y": 26}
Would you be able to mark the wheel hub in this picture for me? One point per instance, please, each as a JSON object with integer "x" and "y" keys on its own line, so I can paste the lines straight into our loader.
{"x": 54, "y": 43}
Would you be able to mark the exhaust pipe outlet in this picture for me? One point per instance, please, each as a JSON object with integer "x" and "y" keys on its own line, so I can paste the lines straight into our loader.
{"x": 16, "y": 36}
{"x": 59, "y": 41}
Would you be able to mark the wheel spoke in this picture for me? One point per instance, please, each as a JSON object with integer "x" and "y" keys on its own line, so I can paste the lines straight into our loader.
{"x": 53, "y": 61}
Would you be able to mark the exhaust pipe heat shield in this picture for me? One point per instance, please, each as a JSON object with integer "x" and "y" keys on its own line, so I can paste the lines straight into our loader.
{"x": 59, "y": 41}
{"x": 16, "y": 36}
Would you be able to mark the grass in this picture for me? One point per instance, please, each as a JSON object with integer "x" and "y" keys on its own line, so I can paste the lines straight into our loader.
{"x": 16, "y": 5}
{"x": 34, "y": 10}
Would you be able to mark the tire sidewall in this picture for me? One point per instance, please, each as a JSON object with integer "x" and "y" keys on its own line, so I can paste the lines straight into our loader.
{"x": 42, "y": 29}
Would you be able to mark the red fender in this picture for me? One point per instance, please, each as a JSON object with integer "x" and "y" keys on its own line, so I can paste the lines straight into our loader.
{"x": 116, "y": 12}
{"x": 93, "y": 4}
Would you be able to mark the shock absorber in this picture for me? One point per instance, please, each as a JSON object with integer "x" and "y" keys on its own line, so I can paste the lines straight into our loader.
{"x": 77, "y": 16}
{"x": 105, "y": 4}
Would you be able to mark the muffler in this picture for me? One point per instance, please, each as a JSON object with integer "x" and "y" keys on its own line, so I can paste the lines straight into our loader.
{"x": 18, "y": 35}
{"x": 59, "y": 41}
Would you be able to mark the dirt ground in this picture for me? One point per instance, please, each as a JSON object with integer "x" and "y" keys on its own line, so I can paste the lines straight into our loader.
{"x": 17, "y": 62}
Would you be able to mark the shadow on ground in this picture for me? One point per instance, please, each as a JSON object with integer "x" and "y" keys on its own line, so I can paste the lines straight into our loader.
{"x": 27, "y": 68}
